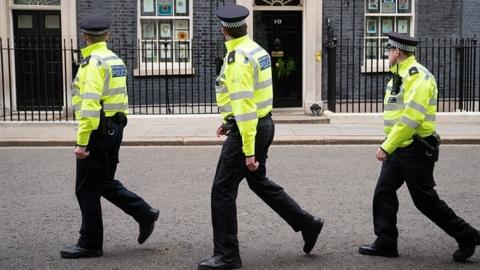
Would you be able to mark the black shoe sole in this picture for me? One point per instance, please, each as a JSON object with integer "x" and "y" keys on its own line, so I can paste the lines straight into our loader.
{"x": 80, "y": 256}
{"x": 226, "y": 267}
{"x": 309, "y": 249}
{"x": 379, "y": 254}
{"x": 153, "y": 227}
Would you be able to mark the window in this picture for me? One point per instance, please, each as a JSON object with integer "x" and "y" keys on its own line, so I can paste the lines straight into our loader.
{"x": 37, "y": 2}
{"x": 165, "y": 33}
{"x": 382, "y": 17}
{"x": 278, "y": 2}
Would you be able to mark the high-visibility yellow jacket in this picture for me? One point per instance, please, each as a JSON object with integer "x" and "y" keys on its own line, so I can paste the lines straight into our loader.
{"x": 412, "y": 110}
{"x": 244, "y": 88}
{"x": 102, "y": 77}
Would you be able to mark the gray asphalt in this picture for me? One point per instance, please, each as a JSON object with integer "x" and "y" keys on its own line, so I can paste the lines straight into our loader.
{"x": 39, "y": 212}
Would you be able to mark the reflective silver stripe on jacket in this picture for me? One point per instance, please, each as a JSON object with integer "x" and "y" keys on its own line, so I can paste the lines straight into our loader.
{"x": 390, "y": 123}
{"x": 264, "y": 104}
{"x": 87, "y": 113}
{"x": 77, "y": 107}
{"x": 221, "y": 89}
{"x": 90, "y": 95}
{"x": 106, "y": 84}
{"x": 115, "y": 91}
{"x": 433, "y": 102}
{"x": 241, "y": 95}
{"x": 416, "y": 106}
{"x": 393, "y": 106}
{"x": 263, "y": 84}
{"x": 430, "y": 117}
{"x": 409, "y": 122}
{"x": 113, "y": 57}
{"x": 225, "y": 108}
{"x": 245, "y": 117}
{"x": 115, "y": 106}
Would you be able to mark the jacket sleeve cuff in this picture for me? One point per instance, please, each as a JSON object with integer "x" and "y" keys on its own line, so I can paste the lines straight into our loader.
{"x": 386, "y": 149}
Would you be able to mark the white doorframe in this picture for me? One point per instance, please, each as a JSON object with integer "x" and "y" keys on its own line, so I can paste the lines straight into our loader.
{"x": 312, "y": 46}
{"x": 68, "y": 14}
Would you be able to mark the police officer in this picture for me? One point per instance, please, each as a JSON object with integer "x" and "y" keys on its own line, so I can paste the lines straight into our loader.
{"x": 100, "y": 101}
{"x": 244, "y": 97}
{"x": 409, "y": 153}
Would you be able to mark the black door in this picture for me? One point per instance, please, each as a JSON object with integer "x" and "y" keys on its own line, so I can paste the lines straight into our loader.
{"x": 280, "y": 33}
{"x": 38, "y": 59}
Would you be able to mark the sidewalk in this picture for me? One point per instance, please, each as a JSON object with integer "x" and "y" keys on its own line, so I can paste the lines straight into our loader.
{"x": 457, "y": 128}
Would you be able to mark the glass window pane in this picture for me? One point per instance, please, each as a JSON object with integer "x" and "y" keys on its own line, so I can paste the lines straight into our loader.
{"x": 52, "y": 21}
{"x": 404, "y": 6}
{"x": 38, "y": 2}
{"x": 149, "y": 29}
{"x": 164, "y": 8}
{"x": 389, "y": 6}
{"x": 384, "y": 48}
{"x": 182, "y": 51}
{"x": 372, "y": 26}
{"x": 387, "y": 25}
{"x": 372, "y": 6}
{"x": 149, "y": 51}
{"x": 25, "y": 21}
{"x": 403, "y": 25}
{"x": 181, "y": 7}
{"x": 165, "y": 28}
{"x": 278, "y": 2}
{"x": 165, "y": 51}
{"x": 148, "y": 7}
{"x": 181, "y": 30}
{"x": 371, "y": 49}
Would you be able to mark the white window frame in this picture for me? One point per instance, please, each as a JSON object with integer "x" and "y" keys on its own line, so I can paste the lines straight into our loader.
{"x": 158, "y": 67}
{"x": 382, "y": 65}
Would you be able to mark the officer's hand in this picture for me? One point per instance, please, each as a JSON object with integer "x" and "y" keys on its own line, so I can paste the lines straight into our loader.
{"x": 251, "y": 163}
{"x": 81, "y": 152}
{"x": 381, "y": 155}
{"x": 221, "y": 131}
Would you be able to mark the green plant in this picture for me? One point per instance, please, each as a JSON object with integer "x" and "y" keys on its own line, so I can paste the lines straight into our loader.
{"x": 284, "y": 68}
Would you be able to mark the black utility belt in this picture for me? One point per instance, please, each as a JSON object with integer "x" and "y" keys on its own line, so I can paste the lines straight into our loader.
{"x": 429, "y": 143}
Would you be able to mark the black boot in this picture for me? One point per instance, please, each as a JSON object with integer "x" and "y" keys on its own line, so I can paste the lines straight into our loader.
{"x": 466, "y": 249}
{"x": 146, "y": 229}
{"x": 310, "y": 234}
{"x": 375, "y": 250}
{"x": 218, "y": 262}
{"x": 75, "y": 252}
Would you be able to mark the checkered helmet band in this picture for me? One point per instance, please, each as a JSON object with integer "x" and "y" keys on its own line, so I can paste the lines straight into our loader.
{"x": 95, "y": 33}
{"x": 401, "y": 46}
{"x": 233, "y": 24}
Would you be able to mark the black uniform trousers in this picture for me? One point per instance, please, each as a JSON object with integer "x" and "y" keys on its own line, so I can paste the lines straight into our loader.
{"x": 412, "y": 165}
{"x": 231, "y": 170}
{"x": 95, "y": 178}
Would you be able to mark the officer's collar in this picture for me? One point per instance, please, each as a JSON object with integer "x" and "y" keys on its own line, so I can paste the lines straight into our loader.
{"x": 89, "y": 49}
{"x": 231, "y": 44}
{"x": 403, "y": 66}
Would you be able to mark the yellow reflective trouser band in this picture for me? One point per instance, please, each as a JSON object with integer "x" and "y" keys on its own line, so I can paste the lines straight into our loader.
{"x": 241, "y": 95}
{"x": 245, "y": 117}
{"x": 87, "y": 113}
{"x": 115, "y": 106}
{"x": 225, "y": 108}
{"x": 409, "y": 122}
{"x": 416, "y": 106}
{"x": 264, "y": 104}
{"x": 90, "y": 95}
{"x": 115, "y": 91}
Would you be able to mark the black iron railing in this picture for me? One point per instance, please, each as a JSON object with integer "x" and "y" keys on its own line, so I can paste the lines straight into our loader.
{"x": 173, "y": 77}
{"x": 358, "y": 71}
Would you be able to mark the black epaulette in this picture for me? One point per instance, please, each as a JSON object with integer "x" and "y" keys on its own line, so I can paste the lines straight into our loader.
{"x": 413, "y": 71}
{"x": 85, "y": 61}
{"x": 231, "y": 57}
